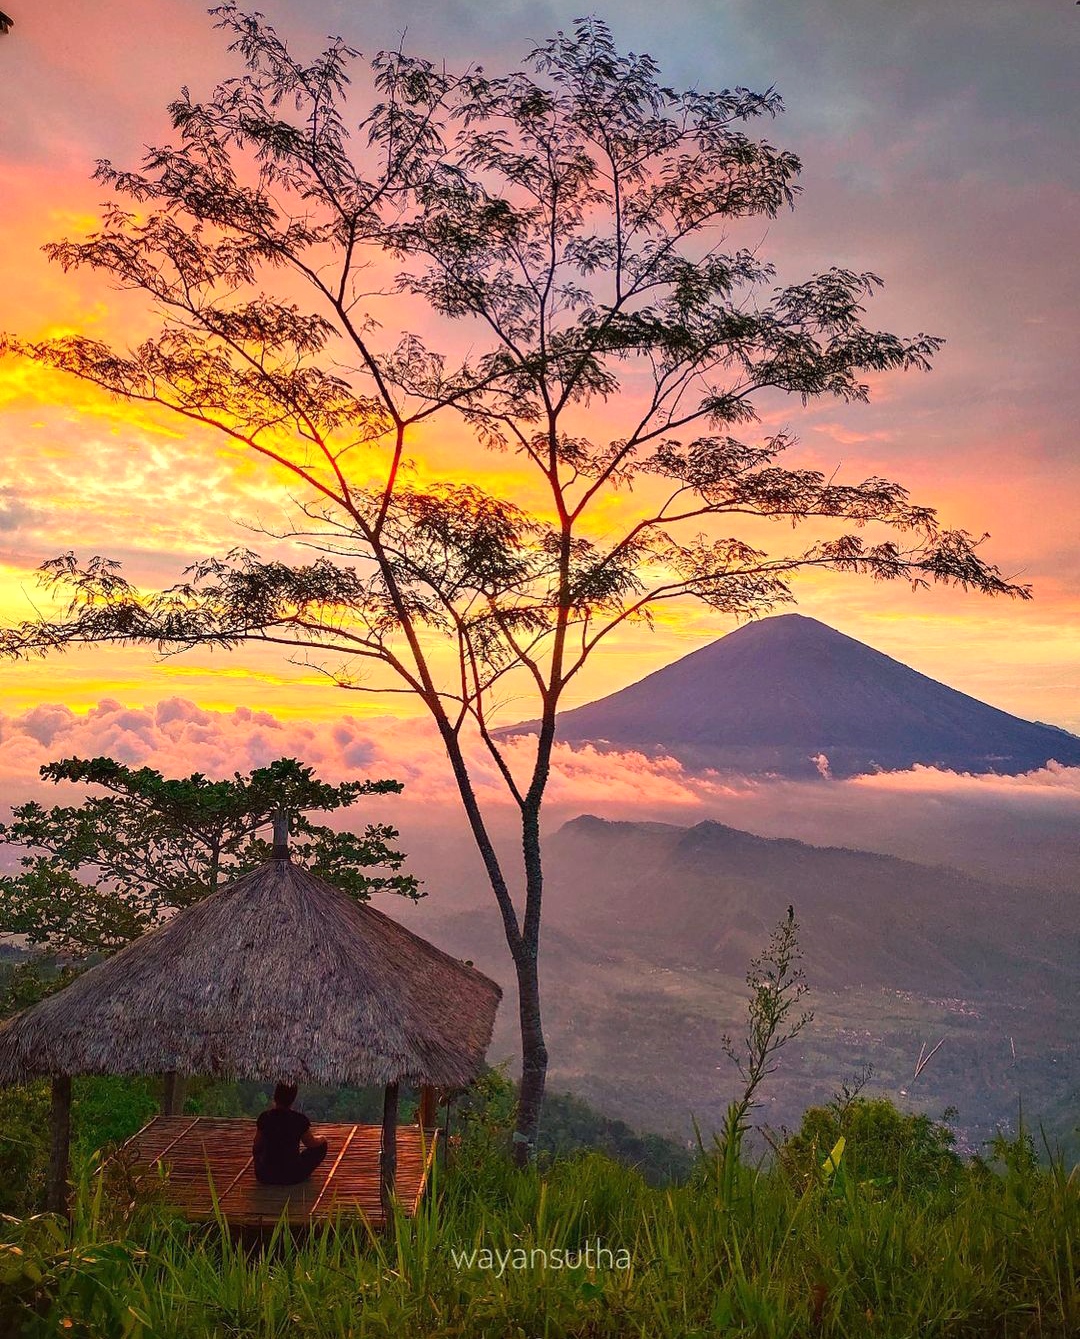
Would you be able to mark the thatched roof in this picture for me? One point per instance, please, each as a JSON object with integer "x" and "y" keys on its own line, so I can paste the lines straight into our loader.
{"x": 277, "y": 975}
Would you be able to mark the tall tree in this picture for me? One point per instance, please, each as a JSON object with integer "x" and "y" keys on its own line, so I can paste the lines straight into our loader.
{"x": 95, "y": 875}
{"x": 578, "y": 221}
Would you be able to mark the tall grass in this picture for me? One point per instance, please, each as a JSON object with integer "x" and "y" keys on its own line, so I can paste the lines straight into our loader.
{"x": 995, "y": 1251}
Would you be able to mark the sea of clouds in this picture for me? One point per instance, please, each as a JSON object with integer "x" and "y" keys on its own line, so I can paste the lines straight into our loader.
{"x": 1017, "y": 829}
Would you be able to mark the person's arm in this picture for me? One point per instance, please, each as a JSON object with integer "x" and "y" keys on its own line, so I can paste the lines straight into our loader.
{"x": 308, "y": 1139}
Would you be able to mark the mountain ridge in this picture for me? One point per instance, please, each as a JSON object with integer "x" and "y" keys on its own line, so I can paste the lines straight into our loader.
{"x": 708, "y": 895}
{"x": 649, "y": 928}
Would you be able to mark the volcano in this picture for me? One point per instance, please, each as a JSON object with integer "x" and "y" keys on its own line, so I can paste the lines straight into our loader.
{"x": 791, "y": 696}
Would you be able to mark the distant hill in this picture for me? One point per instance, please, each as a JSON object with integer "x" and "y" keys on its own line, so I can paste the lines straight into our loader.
{"x": 708, "y": 896}
{"x": 649, "y": 929}
{"x": 792, "y": 696}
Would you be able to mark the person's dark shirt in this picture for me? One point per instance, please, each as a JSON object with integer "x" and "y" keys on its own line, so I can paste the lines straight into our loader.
{"x": 281, "y": 1129}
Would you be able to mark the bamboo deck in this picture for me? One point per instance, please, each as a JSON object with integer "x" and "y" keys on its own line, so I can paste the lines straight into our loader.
{"x": 204, "y": 1156}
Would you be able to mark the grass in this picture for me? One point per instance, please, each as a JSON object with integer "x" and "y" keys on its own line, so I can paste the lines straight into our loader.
{"x": 987, "y": 1251}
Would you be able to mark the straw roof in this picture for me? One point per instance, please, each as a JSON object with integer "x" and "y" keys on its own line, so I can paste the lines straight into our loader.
{"x": 276, "y": 975}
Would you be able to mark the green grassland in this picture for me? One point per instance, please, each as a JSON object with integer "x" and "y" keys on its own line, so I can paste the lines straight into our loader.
{"x": 850, "y": 1215}
{"x": 902, "y": 1239}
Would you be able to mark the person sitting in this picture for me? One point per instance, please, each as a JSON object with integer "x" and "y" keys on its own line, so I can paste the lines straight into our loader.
{"x": 279, "y": 1132}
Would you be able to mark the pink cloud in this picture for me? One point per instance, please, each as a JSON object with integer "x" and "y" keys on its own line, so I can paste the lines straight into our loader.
{"x": 1011, "y": 828}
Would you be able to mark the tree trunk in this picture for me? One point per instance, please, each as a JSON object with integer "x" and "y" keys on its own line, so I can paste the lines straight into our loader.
{"x": 58, "y": 1187}
{"x": 388, "y": 1156}
{"x": 534, "y": 1061}
{"x": 523, "y": 940}
{"x": 534, "y": 1056}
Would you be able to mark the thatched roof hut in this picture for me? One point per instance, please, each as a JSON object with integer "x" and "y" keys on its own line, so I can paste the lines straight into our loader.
{"x": 278, "y": 975}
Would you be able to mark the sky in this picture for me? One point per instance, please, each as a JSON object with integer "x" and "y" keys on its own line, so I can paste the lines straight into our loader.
{"x": 939, "y": 150}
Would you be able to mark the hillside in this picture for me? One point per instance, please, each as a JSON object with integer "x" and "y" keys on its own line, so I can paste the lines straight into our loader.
{"x": 708, "y": 895}
{"x": 649, "y": 929}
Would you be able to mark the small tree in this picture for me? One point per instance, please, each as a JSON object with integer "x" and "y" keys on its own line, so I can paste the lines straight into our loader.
{"x": 773, "y": 1018}
{"x": 98, "y": 874}
{"x": 579, "y": 220}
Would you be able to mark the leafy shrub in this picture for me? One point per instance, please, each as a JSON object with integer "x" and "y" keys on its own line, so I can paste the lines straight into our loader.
{"x": 24, "y": 1148}
{"x": 50, "y": 1284}
{"x": 105, "y": 1111}
{"x": 882, "y": 1145}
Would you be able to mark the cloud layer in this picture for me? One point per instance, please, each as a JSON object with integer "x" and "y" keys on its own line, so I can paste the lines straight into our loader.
{"x": 1016, "y": 828}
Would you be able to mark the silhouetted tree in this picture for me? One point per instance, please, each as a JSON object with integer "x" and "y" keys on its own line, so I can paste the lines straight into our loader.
{"x": 578, "y": 219}
{"x": 95, "y": 875}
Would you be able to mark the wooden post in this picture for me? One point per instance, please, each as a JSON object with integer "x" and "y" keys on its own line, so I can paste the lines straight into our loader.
{"x": 172, "y": 1094}
{"x": 281, "y": 835}
{"x": 446, "y": 1129}
{"x": 58, "y": 1188}
{"x": 427, "y": 1110}
{"x": 388, "y": 1157}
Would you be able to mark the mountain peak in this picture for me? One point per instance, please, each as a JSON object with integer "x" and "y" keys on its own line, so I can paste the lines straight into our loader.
{"x": 775, "y": 623}
{"x": 790, "y": 695}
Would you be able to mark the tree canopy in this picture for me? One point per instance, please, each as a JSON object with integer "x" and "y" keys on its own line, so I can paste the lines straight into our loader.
{"x": 577, "y": 216}
{"x": 578, "y": 246}
{"x": 95, "y": 875}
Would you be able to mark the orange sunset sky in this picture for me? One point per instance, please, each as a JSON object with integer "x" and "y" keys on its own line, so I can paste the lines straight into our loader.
{"x": 939, "y": 150}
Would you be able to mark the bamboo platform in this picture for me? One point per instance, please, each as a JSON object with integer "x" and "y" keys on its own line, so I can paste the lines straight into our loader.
{"x": 203, "y": 1156}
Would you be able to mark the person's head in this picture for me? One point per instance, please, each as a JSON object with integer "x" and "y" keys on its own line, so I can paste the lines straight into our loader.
{"x": 284, "y": 1094}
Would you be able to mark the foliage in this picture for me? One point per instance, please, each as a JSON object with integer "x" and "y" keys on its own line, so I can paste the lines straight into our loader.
{"x": 105, "y": 1111}
{"x": 777, "y": 985}
{"x": 570, "y": 1125}
{"x": 98, "y": 874}
{"x": 579, "y": 221}
{"x": 989, "y": 1257}
{"x": 883, "y": 1146}
{"x": 485, "y": 1121}
{"x": 483, "y": 1118}
{"x": 30, "y": 977}
{"x": 97, "y": 1281}
{"x": 24, "y": 1147}
{"x": 1012, "y": 1154}
{"x": 227, "y": 1097}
